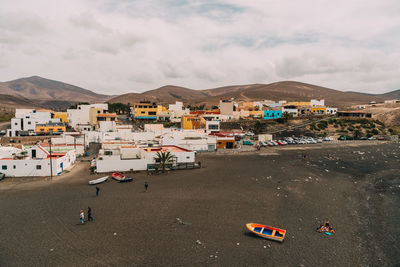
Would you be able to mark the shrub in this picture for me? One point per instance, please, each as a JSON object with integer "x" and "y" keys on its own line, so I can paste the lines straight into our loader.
{"x": 374, "y": 131}
{"x": 350, "y": 128}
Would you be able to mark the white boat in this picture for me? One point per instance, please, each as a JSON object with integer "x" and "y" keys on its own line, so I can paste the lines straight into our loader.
{"x": 99, "y": 181}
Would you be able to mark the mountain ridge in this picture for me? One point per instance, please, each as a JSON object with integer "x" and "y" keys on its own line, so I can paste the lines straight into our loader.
{"x": 284, "y": 90}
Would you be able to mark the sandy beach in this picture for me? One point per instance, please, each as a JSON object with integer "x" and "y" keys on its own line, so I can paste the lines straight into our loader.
{"x": 356, "y": 187}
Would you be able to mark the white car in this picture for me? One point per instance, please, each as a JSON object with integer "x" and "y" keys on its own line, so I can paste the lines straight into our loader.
{"x": 2, "y": 175}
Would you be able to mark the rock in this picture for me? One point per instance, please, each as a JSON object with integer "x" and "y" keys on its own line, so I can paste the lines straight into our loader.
{"x": 115, "y": 234}
{"x": 237, "y": 244}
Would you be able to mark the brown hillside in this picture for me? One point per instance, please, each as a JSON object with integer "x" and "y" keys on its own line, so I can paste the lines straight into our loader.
{"x": 42, "y": 89}
{"x": 287, "y": 90}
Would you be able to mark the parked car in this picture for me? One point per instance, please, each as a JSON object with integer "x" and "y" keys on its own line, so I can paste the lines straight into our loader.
{"x": 372, "y": 138}
{"x": 2, "y": 175}
{"x": 262, "y": 143}
{"x": 319, "y": 140}
{"x": 280, "y": 143}
{"x": 270, "y": 143}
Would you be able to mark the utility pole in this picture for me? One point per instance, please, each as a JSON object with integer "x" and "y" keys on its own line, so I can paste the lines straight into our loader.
{"x": 51, "y": 162}
{"x": 84, "y": 144}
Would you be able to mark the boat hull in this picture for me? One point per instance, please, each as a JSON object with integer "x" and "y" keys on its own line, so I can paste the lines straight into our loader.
{"x": 126, "y": 180}
{"x": 98, "y": 181}
{"x": 118, "y": 176}
{"x": 267, "y": 232}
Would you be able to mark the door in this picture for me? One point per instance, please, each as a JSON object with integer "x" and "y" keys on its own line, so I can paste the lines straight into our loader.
{"x": 33, "y": 153}
{"x": 62, "y": 166}
{"x": 229, "y": 144}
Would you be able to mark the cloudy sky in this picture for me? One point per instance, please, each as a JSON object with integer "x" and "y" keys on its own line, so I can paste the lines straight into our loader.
{"x": 119, "y": 46}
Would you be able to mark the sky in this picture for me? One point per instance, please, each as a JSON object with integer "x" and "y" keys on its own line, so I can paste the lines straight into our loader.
{"x": 121, "y": 46}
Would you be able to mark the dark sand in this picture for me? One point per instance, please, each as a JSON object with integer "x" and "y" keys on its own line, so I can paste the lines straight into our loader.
{"x": 358, "y": 192}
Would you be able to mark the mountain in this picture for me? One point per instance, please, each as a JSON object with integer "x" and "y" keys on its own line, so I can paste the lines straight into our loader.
{"x": 40, "y": 90}
{"x": 389, "y": 95}
{"x": 286, "y": 90}
{"x": 392, "y": 95}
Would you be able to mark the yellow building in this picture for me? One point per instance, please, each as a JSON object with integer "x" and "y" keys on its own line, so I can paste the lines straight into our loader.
{"x": 146, "y": 110}
{"x": 191, "y": 122}
{"x": 106, "y": 117}
{"x": 318, "y": 110}
{"x": 93, "y": 113}
{"x": 63, "y": 116}
{"x": 300, "y": 104}
{"x": 50, "y": 128}
{"x": 257, "y": 114}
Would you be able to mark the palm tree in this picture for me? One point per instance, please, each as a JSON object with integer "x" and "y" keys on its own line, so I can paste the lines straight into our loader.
{"x": 164, "y": 158}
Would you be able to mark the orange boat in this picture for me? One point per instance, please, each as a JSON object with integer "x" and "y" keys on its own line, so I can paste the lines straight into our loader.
{"x": 267, "y": 231}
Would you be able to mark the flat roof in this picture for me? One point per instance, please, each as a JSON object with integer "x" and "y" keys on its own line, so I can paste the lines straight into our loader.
{"x": 170, "y": 148}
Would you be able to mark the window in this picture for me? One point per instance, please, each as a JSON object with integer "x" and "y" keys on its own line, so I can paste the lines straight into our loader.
{"x": 14, "y": 167}
{"x": 188, "y": 157}
{"x": 4, "y": 167}
{"x": 59, "y": 129}
{"x": 142, "y": 112}
{"x": 16, "y": 123}
{"x": 152, "y": 113}
{"x": 42, "y": 130}
{"x": 29, "y": 122}
{"x": 108, "y": 153}
{"x": 38, "y": 167}
{"x": 98, "y": 112}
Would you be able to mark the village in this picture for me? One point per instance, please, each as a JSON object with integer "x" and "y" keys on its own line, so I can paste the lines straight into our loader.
{"x": 151, "y": 137}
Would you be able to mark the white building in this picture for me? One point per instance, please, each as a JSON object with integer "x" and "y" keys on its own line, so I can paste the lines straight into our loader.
{"x": 82, "y": 114}
{"x": 226, "y": 107}
{"x": 130, "y": 158}
{"x": 316, "y": 102}
{"x": 331, "y": 111}
{"x": 34, "y": 161}
{"x": 293, "y": 110}
{"x": 192, "y": 140}
{"x": 176, "y": 107}
{"x": 25, "y": 123}
{"x": 212, "y": 126}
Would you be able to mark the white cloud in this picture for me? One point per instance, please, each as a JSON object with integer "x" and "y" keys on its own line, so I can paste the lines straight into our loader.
{"x": 119, "y": 46}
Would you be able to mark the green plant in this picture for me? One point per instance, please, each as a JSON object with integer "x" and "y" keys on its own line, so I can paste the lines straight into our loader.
{"x": 374, "y": 131}
{"x": 357, "y": 134}
{"x": 164, "y": 158}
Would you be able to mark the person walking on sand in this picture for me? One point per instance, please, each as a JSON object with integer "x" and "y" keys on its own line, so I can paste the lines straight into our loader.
{"x": 89, "y": 214}
{"x": 82, "y": 217}
{"x": 146, "y": 186}
{"x": 97, "y": 191}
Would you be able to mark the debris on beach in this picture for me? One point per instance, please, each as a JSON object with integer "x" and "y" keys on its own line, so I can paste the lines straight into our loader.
{"x": 181, "y": 222}
{"x": 115, "y": 234}
{"x": 237, "y": 244}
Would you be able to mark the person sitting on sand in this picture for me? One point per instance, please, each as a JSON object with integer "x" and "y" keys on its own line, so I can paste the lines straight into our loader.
{"x": 325, "y": 227}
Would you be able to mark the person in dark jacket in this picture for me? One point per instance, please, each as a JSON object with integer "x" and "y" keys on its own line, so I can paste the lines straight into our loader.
{"x": 97, "y": 191}
{"x": 146, "y": 186}
{"x": 89, "y": 214}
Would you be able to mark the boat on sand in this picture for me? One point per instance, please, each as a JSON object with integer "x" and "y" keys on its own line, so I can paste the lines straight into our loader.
{"x": 118, "y": 176}
{"x": 125, "y": 180}
{"x": 267, "y": 232}
{"x": 99, "y": 180}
